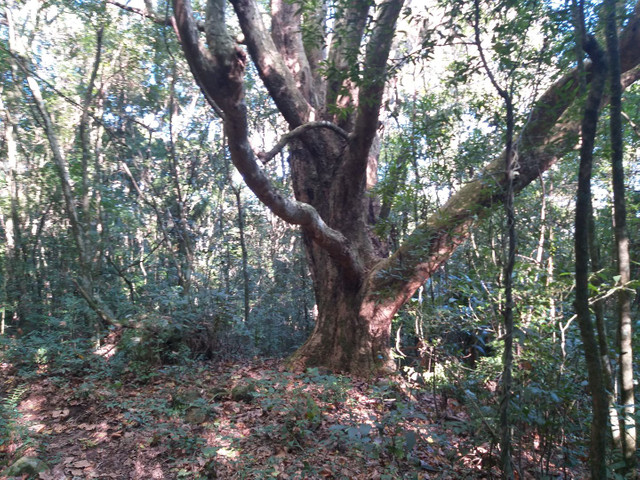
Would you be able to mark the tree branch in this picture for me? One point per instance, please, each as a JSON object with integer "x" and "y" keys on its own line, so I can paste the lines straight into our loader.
{"x": 549, "y": 134}
{"x": 266, "y": 157}
{"x": 343, "y": 55}
{"x": 273, "y": 71}
{"x": 372, "y": 88}
{"x": 291, "y": 211}
{"x": 353, "y": 170}
{"x": 167, "y": 22}
{"x": 219, "y": 74}
{"x": 286, "y": 31}
{"x": 315, "y": 25}
{"x": 218, "y": 70}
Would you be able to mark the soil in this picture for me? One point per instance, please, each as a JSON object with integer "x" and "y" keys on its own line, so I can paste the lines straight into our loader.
{"x": 248, "y": 420}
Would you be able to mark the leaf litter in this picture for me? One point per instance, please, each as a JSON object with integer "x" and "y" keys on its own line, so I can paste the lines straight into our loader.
{"x": 249, "y": 420}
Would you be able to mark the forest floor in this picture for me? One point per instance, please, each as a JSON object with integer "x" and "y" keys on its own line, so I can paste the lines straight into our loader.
{"x": 251, "y": 420}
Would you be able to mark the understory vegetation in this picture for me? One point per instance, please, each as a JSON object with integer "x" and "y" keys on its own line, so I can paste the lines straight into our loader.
{"x": 153, "y": 304}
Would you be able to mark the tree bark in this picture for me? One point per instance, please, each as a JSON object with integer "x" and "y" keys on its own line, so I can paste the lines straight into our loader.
{"x": 583, "y": 207}
{"x": 245, "y": 256}
{"x": 627, "y": 398}
{"x": 357, "y": 292}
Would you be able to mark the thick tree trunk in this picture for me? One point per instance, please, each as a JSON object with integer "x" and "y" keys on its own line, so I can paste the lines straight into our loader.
{"x": 357, "y": 292}
{"x": 345, "y": 338}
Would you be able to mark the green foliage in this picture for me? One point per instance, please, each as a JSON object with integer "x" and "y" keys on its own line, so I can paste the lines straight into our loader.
{"x": 11, "y": 430}
{"x": 162, "y": 230}
{"x": 48, "y": 353}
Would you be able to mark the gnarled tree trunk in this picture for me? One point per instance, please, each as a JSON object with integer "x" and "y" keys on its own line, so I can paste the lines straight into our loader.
{"x": 333, "y": 120}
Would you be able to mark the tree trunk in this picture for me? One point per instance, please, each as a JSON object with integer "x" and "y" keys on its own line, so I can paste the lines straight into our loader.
{"x": 508, "y": 307}
{"x": 603, "y": 337}
{"x": 244, "y": 253}
{"x": 583, "y": 205}
{"x": 333, "y": 123}
{"x": 625, "y": 325}
{"x": 344, "y": 337}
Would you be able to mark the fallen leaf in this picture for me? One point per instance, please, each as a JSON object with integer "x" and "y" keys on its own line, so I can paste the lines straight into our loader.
{"x": 60, "y": 413}
{"x": 37, "y": 428}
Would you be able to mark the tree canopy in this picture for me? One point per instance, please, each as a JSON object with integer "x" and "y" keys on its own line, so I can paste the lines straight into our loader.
{"x": 321, "y": 181}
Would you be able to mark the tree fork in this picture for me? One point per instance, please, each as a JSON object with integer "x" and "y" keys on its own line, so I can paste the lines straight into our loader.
{"x": 357, "y": 292}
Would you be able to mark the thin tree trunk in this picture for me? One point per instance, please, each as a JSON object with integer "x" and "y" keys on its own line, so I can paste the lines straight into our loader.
{"x": 505, "y": 400}
{"x": 583, "y": 201}
{"x": 603, "y": 337}
{"x": 594, "y": 255}
{"x": 184, "y": 262}
{"x": 243, "y": 249}
{"x": 85, "y": 281}
{"x": 622, "y": 246}
{"x": 85, "y": 134}
{"x": 17, "y": 293}
{"x": 550, "y": 270}
{"x": 509, "y": 167}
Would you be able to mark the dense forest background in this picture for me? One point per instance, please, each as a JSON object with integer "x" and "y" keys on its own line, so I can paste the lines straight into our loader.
{"x": 131, "y": 246}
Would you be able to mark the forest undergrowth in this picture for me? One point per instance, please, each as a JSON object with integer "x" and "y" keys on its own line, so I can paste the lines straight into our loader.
{"x": 249, "y": 420}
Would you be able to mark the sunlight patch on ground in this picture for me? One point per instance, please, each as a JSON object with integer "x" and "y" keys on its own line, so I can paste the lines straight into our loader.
{"x": 106, "y": 351}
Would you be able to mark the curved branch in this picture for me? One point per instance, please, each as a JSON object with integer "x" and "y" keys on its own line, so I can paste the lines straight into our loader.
{"x": 291, "y": 211}
{"x": 272, "y": 69}
{"x": 219, "y": 74}
{"x": 343, "y": 54}
{"x": 286, "y": 31}
{"x": 266, "y": 157}
{"x": 550, "y": 133}
{"x": 218, "y": 70}
{"x": 372, "y": 87}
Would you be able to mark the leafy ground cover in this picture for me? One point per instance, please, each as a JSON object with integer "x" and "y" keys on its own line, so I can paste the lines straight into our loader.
{"x": 249, "y": 420}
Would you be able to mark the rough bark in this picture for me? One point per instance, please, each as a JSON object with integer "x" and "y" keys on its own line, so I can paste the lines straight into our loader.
{"x": 357, "y": 292}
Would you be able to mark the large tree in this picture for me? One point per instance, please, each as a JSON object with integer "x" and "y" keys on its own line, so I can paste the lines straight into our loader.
{"x": 331, "y": 97}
